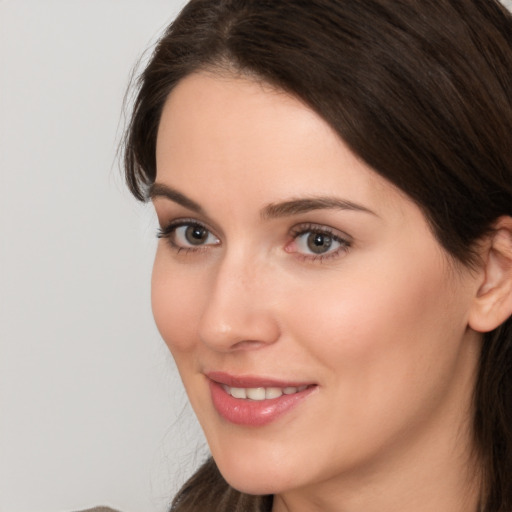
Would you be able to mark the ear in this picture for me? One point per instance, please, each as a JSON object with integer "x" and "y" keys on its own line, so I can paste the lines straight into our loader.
{"x": 492, "y": 304}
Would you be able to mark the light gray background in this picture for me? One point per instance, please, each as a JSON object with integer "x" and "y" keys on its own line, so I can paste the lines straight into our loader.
{"x": 91, "y": 408}
{"x": 90, "y": 403}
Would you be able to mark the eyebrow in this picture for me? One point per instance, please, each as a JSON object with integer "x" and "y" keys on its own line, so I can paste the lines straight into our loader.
{"x": 161, "y": 190}
{"x": 297, "y": 206}
{"x": 271, "y": 211}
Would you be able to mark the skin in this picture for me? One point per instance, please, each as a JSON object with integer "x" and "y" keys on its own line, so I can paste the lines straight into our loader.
{"x": 379, "y": 323}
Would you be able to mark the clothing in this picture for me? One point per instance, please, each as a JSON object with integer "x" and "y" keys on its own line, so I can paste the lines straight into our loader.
{"x": 98, "y": 509}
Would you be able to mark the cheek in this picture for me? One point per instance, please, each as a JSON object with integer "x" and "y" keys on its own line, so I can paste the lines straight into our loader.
{"x": 382, "y": 322}
{"x": 388, "y": 347}
{"x": 175, "y": 296}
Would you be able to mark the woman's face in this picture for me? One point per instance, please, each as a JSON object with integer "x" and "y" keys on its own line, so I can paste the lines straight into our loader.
{"x": 291, "y": 274}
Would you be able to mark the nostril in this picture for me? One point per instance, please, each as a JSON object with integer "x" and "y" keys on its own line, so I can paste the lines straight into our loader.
{"x": 248, "y": 345}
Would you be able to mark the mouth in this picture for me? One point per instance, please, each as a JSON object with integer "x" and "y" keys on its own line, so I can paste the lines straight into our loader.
{"x": 254, "y": 401}
{"x": 262, "y": 393}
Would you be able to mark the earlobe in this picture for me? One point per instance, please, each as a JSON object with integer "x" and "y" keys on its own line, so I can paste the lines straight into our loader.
{"x": 493, "y": 302}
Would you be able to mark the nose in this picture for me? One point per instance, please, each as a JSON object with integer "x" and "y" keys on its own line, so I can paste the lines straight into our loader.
{"x": 239, "y": 311}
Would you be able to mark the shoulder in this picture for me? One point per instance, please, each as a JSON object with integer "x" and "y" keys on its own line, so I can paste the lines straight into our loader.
{"x": 97, "y": 509}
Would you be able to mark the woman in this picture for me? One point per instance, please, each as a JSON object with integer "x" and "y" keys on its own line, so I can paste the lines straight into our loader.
{"x": 333, "y": 183}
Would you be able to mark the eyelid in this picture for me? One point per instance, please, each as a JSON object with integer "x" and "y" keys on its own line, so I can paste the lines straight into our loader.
{"x": 168, "y": 211}
{"x": 166, "y": 232}
{"x": 343, "y": 239}
{"x": 321, "y": 228}
{"x": 340, "y": 237}
{"x": 169, "y": 227}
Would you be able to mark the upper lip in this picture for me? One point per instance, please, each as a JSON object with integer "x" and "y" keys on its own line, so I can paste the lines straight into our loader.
{"x": 252, "y": 381}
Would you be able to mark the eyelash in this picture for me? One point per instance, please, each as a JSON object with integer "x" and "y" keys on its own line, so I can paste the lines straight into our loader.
{"x": 303, "y": 229}
{"x": 168, "y": 231}
{"x": 344, "y": 242}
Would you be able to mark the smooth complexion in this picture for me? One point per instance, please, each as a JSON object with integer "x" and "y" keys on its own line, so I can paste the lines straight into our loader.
{"x": 249, "y": 179}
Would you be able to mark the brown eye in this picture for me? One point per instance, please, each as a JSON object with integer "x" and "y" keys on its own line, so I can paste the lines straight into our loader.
{"x": 196, "y": 235}
{"x": 318, "y": 243}
{"x": 188, "y": 235}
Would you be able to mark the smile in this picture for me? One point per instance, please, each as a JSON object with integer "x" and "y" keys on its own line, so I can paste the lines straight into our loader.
{"x": 254, "y": 401}
{"x": 262, "y": 393}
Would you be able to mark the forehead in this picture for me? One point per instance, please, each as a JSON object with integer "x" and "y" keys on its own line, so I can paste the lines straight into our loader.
{"x": 224, "y": 114}
{"x": 236, "y": 137}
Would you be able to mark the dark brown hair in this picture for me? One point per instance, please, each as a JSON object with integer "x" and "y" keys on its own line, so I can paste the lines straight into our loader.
{"x": 420, "y": 90}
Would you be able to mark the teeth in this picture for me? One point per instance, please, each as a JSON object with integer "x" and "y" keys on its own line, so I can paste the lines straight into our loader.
{"x": 238, "y": 393}
{"x": 256, "y": 393}
{"x": 273, "y": 393}
{"x": 262, "y": 393}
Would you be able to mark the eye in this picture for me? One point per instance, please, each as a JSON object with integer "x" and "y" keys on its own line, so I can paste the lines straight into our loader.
{"x": 317, "y": 242}
{"x": 193, "y": 235}
{"x": 188, "y": 234}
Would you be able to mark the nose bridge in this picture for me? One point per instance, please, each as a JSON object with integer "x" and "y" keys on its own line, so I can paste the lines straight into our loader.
{"x": 238, "y": 311}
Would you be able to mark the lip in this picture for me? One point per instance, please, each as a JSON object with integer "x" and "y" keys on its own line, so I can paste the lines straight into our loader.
{"x": 250, "y": 381}
{"x": 253, "y": 413}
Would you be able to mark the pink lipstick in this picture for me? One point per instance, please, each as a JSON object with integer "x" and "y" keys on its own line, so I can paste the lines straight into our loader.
{"x": 254, "y": 401}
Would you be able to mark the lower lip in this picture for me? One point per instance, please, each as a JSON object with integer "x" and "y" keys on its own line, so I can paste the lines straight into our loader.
{"x": 253, "y": 413}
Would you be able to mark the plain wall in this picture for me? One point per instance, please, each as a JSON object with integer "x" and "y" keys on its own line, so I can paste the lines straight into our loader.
{"x": 91, "y": 407}
{"x": 90, "y": 403}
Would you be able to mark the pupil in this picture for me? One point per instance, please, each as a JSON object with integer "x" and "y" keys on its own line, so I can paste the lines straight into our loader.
{"x": 196, "y": 235}
{"x": 319, "y": 243}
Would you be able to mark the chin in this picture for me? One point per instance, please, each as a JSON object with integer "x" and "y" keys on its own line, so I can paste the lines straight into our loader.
{"x": 255, "y": 476}
{"x": 256, "y": 485}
